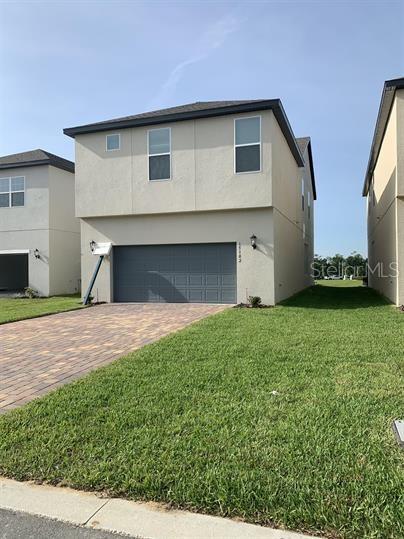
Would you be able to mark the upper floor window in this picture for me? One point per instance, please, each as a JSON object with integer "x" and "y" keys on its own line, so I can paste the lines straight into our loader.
{"x": 302, "y": 194}
{"x": 113, "y": 142}
{"x": 308, "y": 204}
{"x": 159, "y": 144}
{"x": 247, "y": 144}
{"x": 12, "y": 192}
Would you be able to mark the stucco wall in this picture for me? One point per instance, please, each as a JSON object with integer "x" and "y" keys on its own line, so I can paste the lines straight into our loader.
{"x": 400, "y": 142}
{"x": 254, "y": 268}
{"x": 34, "y": 215}
{"x": 382, "y": 215}
{"x": 27, "y": 227}
{"x": 38, "y": 269}
{"x": 46, "y": 222}
{"x": 203, "y": 178}
{"x": 291, "y": 275}
{"x": 400, "y": 192}
{"x": 64, "y": 235}
{"x": 400, "y": 250}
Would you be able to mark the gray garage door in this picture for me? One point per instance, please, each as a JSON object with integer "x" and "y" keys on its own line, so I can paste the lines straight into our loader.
{"x": 13, "y": 272}
{"x": 200, "y": 273}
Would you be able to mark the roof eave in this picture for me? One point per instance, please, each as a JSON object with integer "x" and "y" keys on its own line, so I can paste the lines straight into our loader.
{"x": 36, "y": 163}
{"x": 313, "y": 181}
{"x": 386, "y": 103}
{"x": 273, "y": 104}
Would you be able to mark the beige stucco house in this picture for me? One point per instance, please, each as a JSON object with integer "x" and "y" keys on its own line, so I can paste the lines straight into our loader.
{"x": 207, "y": 202}
{"x": 39, "y": 233}
{"x": 384, "y": 189}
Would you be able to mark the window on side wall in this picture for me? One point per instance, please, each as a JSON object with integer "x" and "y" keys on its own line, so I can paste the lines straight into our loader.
{"x": 302, "y": 194}
{"x": 308, "y": 205}
{"x": 113, "y": 142}
{"x": 247, "y": 145}
{"x": 12, "y": 192}
{"x": 159, "y": 145}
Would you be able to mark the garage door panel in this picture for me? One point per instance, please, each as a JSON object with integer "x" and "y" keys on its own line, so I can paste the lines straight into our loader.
{"x": 175, "y": 273}
{"x": 196, "y": 279}
{"x": 228, "y": 280}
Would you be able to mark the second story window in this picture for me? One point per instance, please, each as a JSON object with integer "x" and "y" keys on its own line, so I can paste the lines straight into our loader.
{"x": 12, "y": 192}
{"x": 302, "y": 194}
{"x": 113, "y": 142}
{"x": 308, "y": 205}
{"x": 247, "y": 144}
{"x": 159, "y": 144}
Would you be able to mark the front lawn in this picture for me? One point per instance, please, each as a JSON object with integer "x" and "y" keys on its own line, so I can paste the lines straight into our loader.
{"x": 12, "y": 309}
{"x": 277, "y": 416}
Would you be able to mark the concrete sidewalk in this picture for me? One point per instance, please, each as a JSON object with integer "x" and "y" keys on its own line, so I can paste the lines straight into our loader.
{"x": 143, "y": 520}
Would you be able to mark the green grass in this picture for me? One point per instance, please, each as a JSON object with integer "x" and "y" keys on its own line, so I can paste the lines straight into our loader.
{"x": 12, "y": 309}
{"x": 191, "y": 420}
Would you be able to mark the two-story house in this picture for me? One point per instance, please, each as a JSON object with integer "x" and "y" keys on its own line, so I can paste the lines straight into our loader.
{"x": 384, "y": 189}
{"x": 206, "y": 202}
{"x": 39, "y": 233}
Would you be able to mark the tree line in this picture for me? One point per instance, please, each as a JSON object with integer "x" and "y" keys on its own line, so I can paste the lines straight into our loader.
{"x": 338, "y": 266}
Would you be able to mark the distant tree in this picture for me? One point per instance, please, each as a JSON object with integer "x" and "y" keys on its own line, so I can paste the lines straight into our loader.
{"x": 336, "y": 264}
{"x": 354, "y": 264}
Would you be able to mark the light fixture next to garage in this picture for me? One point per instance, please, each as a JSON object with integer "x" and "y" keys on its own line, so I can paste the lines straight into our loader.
{"x": 253, "y": 240}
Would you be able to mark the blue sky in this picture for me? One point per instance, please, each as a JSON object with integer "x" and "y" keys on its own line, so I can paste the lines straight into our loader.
{"x": 68, "y": 63}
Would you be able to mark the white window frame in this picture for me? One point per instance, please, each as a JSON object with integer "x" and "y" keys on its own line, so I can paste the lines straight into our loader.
{"x": 158, "y": 154}
{"x": 10, "y": 192}
{"x": 303, "y": 201}
{"x": 308, "y": 205}
{"x": 249, "y": 144}
{"x": 106, "y": 142}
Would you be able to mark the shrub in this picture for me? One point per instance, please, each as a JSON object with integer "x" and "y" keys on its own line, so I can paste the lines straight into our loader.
{"x": 30, "y": 292}
{"x": 255, "y": 301}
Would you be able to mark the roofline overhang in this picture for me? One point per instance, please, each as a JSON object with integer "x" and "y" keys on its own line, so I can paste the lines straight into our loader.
{"x": 270, "y": 104}
{"x": 36, "y": 163}
{"x": 313, "y": 181}
{"x": 386, "y": 103}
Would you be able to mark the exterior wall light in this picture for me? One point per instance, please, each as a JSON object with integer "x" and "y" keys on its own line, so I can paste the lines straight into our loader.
{"x": 36, "y": 253}
{"x": 92, "y": 245}
{"x": 253, "y": 240}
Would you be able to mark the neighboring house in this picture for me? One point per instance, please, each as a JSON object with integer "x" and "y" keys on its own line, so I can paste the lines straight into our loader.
{"x": 384, "y": 189}
{"x": 206, "y": 202}
{"x": 39, "y": 233}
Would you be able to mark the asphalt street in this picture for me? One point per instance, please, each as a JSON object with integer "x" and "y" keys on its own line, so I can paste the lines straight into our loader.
{"x": 14, "y": 525}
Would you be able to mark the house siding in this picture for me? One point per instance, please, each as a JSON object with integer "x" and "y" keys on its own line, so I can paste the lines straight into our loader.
{"x": 382, "y": 215}
{"x": 254, "y": 266}
{"x": 46, "y": 222}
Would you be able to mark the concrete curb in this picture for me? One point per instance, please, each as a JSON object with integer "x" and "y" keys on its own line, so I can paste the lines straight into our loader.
{"x": 141, "y": 520}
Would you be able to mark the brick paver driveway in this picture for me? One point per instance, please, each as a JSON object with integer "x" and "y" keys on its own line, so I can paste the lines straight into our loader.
{"x": 40, "y": 354}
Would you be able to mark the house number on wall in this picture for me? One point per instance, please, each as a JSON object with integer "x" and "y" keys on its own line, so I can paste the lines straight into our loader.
{"x": 239, "y": 251}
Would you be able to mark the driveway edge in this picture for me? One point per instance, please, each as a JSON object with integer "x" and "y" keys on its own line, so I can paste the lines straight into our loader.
{"x": 142, "y": 520}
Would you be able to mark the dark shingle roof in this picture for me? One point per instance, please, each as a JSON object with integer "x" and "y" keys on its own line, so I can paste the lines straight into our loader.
{"x": 192, "y": 111}
{"x": 387, "y": 100}
{"x": 35, "y": 158}
{"x": 198, "y": 106}
{"x": 303, "y": 143}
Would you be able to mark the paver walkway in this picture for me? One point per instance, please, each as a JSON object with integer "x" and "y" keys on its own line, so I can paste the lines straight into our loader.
{"x": 40, "y": 354}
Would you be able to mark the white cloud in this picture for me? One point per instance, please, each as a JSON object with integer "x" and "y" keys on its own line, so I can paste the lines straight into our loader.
{"x": 212, "y": 39}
